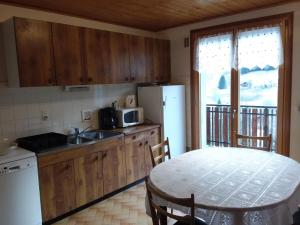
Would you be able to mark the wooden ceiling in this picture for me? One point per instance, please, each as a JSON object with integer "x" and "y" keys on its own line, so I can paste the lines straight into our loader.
{"x": 153, "y": 15}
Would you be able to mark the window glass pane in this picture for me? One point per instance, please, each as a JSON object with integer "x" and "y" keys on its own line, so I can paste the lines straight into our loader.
{"x": 259, "y": 58}
{"x": 215, "y": 57}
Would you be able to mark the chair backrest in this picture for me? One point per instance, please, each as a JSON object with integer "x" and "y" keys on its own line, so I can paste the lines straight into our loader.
{"x": 252, "y": 142}
{"x": 158, "y": 152}
{"x": 158, "y": 211}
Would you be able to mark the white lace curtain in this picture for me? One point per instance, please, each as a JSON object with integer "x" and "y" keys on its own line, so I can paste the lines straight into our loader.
{"x": 261, "y": 47}
{"x": 214, "y": 54}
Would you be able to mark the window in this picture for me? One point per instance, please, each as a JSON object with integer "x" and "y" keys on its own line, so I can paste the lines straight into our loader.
{"x": 240, "y": 82}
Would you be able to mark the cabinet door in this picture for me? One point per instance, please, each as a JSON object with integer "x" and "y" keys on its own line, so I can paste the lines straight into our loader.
{"x": 149, "y": 59}
{"x": 67, "y": 53}
{"x": 35, "y": 56}
{"x": 119, "y": 58}
{"x": 98, "y": 56}
{"x": 57, "y": 186}
{"x": 161, "y": 52}
{"x": 137, "y": 59}
{"x": 88, "y": 178}
{"x": 135, "y": 161}
{"x": 152, "y": 138}
{"x": 114, "y": 167}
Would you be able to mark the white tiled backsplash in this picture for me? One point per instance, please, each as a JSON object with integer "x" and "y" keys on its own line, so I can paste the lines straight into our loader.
{"x": 21, "y": 108}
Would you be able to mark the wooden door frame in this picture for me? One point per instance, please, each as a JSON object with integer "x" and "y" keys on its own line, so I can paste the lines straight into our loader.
{"x": 285, "y": 75}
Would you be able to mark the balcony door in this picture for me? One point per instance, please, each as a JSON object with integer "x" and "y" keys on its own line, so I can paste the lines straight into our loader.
{"x": 259, "y": 53}
{"x": 240, "y": 82}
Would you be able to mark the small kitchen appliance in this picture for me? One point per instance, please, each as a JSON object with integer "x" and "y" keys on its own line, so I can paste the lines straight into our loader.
{"x": 108, "y": 118}
{"x": 130, "y": 116}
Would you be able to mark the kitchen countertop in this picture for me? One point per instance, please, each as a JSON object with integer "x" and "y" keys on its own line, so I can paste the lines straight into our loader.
{"x": 74, "y": 146}
{"x": 123, "y": 131}
{"x": 136, "y": 129}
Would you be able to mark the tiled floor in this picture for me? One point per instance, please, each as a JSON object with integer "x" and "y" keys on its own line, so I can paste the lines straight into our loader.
{"x": 126, "y": 208}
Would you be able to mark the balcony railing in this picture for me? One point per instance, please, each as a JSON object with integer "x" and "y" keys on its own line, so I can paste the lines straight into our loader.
{"x": 253, "y": 120}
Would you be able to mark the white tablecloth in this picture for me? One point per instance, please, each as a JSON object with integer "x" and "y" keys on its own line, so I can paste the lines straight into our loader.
{"x": 232, "y": 185}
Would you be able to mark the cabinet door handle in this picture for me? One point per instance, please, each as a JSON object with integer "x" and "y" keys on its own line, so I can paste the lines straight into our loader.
{"x": 152, "y": 132}
{"x": 134, "y": 137}
{"x": 146, "y": 142}
{"x": 90, "y": 79}
{"x": 104, "y": 155}
{"x": 96, "y": 158}
{"x": 140, "y": 144}
{"x": 67, "y": 167}
{"x": 132, "y": 78}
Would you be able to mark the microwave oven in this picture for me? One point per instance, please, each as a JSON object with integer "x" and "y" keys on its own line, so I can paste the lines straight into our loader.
{"x": 130, "y": 116}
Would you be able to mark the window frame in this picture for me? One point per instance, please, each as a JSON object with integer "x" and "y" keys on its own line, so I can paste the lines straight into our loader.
{"x": 285, "y": 76}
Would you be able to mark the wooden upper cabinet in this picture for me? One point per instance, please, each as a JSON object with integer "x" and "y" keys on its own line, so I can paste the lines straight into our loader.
{"x": 67, "y": 43}
{"x": 98, "y": 56}
{"x": 161, "y": 60}
{"x": 28, "y": 52}
{"x": 57, "y": 185}
{"x": 137, "y": 50}
{"x": 149, "y": 60}
{"x": 39, "y": 53}
{"x": 120, "y": 72}
{"x": 88, "y": 178}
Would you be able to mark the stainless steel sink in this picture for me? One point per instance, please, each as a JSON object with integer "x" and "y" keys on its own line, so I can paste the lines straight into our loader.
{"x": 98, "y": 135}
{"x": 89, "y": 136}
{"x": 78, "y": 140}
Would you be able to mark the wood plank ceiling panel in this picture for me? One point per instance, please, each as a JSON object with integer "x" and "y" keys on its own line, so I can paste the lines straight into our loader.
{"x": 153, "y": 15}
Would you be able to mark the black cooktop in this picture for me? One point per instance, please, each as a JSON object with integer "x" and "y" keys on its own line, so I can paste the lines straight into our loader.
{"x": 42, "y": 142}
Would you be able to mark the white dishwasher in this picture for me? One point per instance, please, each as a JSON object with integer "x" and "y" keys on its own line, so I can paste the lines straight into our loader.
{"x": 19, "y": 188}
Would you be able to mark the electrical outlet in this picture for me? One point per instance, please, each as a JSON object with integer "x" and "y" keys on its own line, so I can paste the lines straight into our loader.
{"x": 45, "y": 115}
{"x": 86, "y": 115}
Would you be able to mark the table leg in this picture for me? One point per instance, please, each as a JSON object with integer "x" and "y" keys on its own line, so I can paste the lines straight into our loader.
{"x": 238, "y": 218}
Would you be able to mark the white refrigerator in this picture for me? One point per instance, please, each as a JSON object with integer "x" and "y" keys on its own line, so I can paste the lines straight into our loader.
{"x": 166, "y": 105}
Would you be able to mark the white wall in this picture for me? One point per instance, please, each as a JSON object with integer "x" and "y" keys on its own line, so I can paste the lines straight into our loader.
{"x": 21, "y": 108}
{"x": 180, "y": 62}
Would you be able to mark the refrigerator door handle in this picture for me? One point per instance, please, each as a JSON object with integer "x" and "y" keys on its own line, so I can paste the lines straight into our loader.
{"x": 165, "y": 101}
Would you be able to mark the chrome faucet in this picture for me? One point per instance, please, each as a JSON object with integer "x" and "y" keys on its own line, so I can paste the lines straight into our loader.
{"x": 77, "y": 133}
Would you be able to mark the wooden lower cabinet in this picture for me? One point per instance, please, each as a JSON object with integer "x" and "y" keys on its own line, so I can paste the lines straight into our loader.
{"x": 135, "y": 153}
{"x": 138, "y": 159}
{"x": 114, "y": 170}
{"x": 88, "y": 178}
{"x": 57, "y": 186}
{"x": 72, "y": 178}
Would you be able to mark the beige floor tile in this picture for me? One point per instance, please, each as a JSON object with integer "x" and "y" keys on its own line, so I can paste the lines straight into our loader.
{"x": 126, "y": 208}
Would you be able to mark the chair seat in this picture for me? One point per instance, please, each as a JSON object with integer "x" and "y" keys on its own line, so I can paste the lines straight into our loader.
{"x": 198, "y": 221}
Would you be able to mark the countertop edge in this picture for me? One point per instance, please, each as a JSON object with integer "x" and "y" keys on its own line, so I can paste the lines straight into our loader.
{"x": 124, "y": 131}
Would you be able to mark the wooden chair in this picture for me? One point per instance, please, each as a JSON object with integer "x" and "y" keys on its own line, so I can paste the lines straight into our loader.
{"x": 267, "y": 140}
{"x": 156, "y": 155}
{"x": 160, "y": 214}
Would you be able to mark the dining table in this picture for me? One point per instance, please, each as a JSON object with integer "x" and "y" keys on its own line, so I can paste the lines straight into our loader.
{"x": 232, "y": 186}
